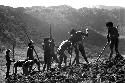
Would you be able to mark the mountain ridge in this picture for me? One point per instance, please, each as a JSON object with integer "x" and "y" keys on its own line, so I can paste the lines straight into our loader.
{"x": 37, "y": 20}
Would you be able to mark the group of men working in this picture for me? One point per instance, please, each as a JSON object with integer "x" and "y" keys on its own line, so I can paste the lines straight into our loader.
{"x": 75, "y": 41}
{"x": 25, "y": 64}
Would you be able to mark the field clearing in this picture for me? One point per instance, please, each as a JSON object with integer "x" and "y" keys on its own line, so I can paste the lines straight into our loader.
{"x": 20, "y": 54}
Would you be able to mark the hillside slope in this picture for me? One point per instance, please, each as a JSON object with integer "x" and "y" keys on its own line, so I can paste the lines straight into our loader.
{"x": 37, "y": 20}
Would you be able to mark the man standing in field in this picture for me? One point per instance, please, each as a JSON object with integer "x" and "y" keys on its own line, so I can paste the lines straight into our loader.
{"x": 30, "y": 51}
{"x": 52, "y": 51}
{"x": 65, "y": 45}
{"x": 47, "y": 54}
{"x": 8, "y": 62}
{"x": 76, "y": 37}
{"x": 113, "y": 38}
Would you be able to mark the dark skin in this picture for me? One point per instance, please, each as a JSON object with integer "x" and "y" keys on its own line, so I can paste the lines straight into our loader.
{"x": 18, "y": 64}
{"x": 47, "y": 54}
{"x": 52, "y": 45}
{"x": 65, "y": 45}
{"x": 27, "y": 66}
{"x": 30, "y": 52}
{"x": 8, "y": 62}
{"x": 76, "y": 38}
{"x": 112, "y": 37}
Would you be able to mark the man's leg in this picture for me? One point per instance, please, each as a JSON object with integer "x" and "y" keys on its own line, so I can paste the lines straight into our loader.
{"x": 48, "y": 64}
{"x": 25, "y": 70}
{"x": 65, "y": 59}
{"x": 38, "y": 65}
{"x": 30, "y": 67}
{"x": 111, "y": 48}
{"x": 8, "y": 69}
{"x": 77, "y": 56}
{"x": 45, "y": 62}
{"x": 44, "y": 66}
{"x": 118, "y": 55}
{"x": 15, "y": 70}
{"x": 61, "y": 59}
{"x": 81, "y": 49}
{"x": 77, "y": 53}
{"x": 15, "y": 67}
{"x": 55, "y": 57}
{"x": 116, "y": 46}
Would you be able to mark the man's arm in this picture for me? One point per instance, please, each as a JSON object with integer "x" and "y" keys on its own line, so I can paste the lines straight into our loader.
{"x": 108, "y": 35}
{"x": 28, "y": 53}
{"x": 43, "y": 46}
{"x": 85, "y": 34}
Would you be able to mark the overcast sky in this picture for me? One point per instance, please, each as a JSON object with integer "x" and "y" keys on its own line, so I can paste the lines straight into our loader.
{"x": 74, "y": 3}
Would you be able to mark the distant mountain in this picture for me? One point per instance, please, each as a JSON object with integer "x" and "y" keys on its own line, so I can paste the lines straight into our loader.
{"x": 61, "y": 18}
{"x": 37, "y": 20}
{"x": 108, "y": 7}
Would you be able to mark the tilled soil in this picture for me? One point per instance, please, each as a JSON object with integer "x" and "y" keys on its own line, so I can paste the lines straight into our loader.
{"x": 103, "y": 71}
